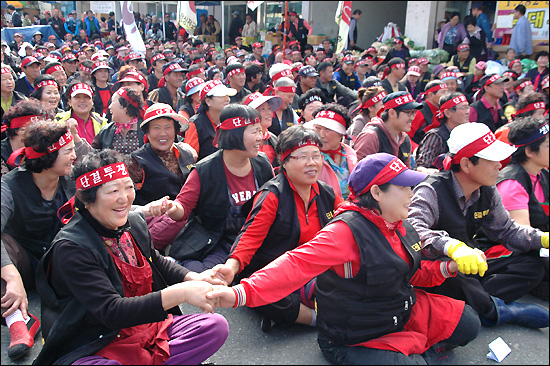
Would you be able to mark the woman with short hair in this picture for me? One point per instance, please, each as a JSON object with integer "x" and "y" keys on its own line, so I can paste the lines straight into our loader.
{"x": 216, "y": 189}
{"x": 368, "y": 266}
{"x": 108, "y": 295}
{"x": 46, "y": 90}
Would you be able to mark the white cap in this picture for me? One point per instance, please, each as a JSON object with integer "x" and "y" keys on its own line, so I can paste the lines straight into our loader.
{"x": 467, "y": 133}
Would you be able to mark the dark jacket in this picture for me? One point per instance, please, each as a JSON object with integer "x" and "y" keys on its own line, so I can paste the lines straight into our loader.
{"x": 451, "y": 219}
{"x": 213, "y": 204}
{"x": 485, "y": 116}
{"x": 78, "y": 321}
{"x": 385, "y": 145}
{"x": 34, "y": 221}
{"x": 158, "y": 181}
{"x": 379, "y": 299}
{"x": 205, "y": 134}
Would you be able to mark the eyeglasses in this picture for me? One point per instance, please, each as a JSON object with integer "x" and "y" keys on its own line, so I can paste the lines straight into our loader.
{"x": 305, "y": 158}
{"x": 410, "y": 113}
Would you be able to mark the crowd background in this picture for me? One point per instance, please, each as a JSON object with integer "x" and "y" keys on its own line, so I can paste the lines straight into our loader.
{"x": 214, "y": 140}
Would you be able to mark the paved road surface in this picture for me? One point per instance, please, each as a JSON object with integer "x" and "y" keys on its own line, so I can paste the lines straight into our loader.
{"x": 248, "y": 345}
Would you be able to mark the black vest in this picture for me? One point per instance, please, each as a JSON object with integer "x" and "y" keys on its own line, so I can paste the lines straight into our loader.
{"x": 33, "y": 224}
{"x": 385, "y": 145}
{"x": 537, "y": 217}
{"x": 348, "y": 81}
{"x": 485, "y": 116}
{"x": 329, "y": 92}
{"x": 70, "y": 332}
{"x": 284, "y": 233}
{"x": 300, "y": 33}
{"x": 444, "y": 134}
{"x": 165, "y": 97}
{"x": 213, "y": 204}
{"x": 6, "y": 150}
{"x": 465, "y": 66}
{"x": 451, "y": 219}
{"x": 428, "y": 116}
{"x": 205, "y": 134}
{"x": 278, "y": 126}
{"x": 158, "y": 181}
{"x": 105, "y": 136}
{"x": 98, "y": 102}
{"x": 379, "y": 299}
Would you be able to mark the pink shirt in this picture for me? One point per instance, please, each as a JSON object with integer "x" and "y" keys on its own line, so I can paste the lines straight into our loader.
{"x": 515, "y": 197}
{"x": 85, "y": 128}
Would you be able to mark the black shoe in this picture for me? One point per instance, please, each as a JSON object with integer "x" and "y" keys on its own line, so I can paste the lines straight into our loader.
{"x": 266, "y": 324}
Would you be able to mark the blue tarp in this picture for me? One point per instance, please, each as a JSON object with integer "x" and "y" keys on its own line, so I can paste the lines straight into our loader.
{"x": 27, "y": 32}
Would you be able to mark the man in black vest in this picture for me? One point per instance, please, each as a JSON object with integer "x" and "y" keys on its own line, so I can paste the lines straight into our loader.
{"x": 31, "y": 67}
{"x": 394, "y": 73}
{"x": 463, "y": 60}
{"x": 299, "y": 28}
{"x": 487, "y": 110}
{"x": 307, "y": 78}
{"x": 236, "y": 78}
{"x": 452, "y": 206}
{"x": 332, "y": 88}
{"x": 422, "y": 122}
{"x": 168, "y": 86}
{"x": 454, "y": 110}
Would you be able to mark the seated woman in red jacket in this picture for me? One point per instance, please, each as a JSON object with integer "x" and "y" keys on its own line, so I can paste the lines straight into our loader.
{"x": 289, "y": 210}
{"x": 367, "y": 261}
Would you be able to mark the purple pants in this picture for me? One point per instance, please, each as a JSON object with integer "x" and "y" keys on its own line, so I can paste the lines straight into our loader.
{"x": 193, "y": 338}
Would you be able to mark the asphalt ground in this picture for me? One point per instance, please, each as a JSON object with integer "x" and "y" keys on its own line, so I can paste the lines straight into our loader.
{"x": 297, "y": 344}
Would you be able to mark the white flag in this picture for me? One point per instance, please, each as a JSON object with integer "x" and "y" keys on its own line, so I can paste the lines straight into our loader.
{"x": 187, "y": 16}
{"x": 342, "y": 18}
{"x": 252, "y": 5}
{"x": 132, "y": 33}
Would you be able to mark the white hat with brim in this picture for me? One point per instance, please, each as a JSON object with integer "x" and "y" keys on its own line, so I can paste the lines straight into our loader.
{"x": 162, "y": 110}
{"x": 221, "y": 91}
{"x": 327, "y": 123}
{"x": 275, "y": 102}
{"x": 82, "y": 91}
{"x": 467, "y": 133}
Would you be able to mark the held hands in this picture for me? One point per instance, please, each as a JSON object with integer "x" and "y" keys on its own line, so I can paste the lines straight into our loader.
{"x": 159, "y": 207}
{"x": 226, "y": 271}
{"x": 222, "y": 296}
{"x": 210, "y": 275}
{"x": 196, "y": 295}
{"x": 468, "y": 260}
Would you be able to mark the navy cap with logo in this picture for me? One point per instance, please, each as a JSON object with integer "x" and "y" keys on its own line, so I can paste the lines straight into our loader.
{"x": 401, "y": 100}
{"x": 307, "y": 71}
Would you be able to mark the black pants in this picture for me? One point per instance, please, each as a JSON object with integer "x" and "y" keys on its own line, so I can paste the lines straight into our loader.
{"x": 451, "y": 49}
{"x": 466, "y": 330}
{"x": 507, "y": 278}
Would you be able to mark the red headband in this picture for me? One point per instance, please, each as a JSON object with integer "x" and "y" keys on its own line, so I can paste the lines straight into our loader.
{"x": 333, "y": 116}
{"x": 301, "y": 144}
{"x": 453, "y": 102}
{"x": 44, "y": 83}
{"x": 514, "y": 62}
{"x": 398, "y": 66}
{"x": 191, "y": 84}
{"x": 81, "y": 86}
{"x": 435, "y": 89}
{"x": 22, "y": 121}
{"x": 137, "y": 76}
{"x": 84, "y": 68}
{"x": 101, "y": 176}
{"x": 123, "y": 93}
{"x": 208, "y": 87}
{"x": 30, "y": 153}
{"x": 286, "y": 89}
{"x": 158, "y": 57}
{"x": 523, "y": 85}
{"x": 281, "y": 74}
{"x": 470, "y": 150}
{"x": 5, "y": 70}
{"x": 237, "y": 122}
{"x": 190, "y": 74}
{"x": 235, "y": 72}
{"x": 372, "y": 101}
{"x": 529, "y": 107}
{"x": 54, "y": 68}
{"x": 492, "y": 79}
{"x": 396, "y": 102}
{"x": 390, "y": 171}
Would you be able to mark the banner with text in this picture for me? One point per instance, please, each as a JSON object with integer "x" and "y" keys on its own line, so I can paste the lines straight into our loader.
{"x": 537, "y": 14}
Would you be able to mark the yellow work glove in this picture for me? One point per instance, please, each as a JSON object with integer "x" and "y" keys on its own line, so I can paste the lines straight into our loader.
{"x": 544, "y": 240}
{"x": 469, "y": 260}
